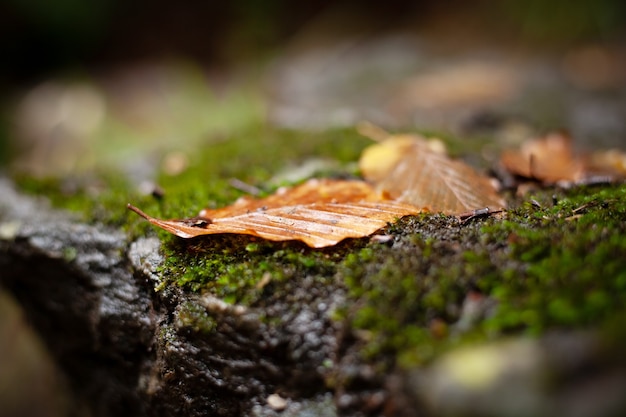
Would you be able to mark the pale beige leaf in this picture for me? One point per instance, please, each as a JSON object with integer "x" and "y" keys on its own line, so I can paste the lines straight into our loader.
{"x": 319, "y": 212}
{"x": 422, "y": 174}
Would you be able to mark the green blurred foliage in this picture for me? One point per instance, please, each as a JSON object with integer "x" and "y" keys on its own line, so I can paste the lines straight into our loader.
{"x": 565, "y": 20}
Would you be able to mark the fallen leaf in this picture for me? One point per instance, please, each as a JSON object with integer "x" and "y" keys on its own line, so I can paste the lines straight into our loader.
{"x": 411, "y": 169}
{"x": 547, "y": 159}
{"x": 318, "y": 212}
{"x": 550, "y": 159}
{"x": 464, "y": 84}
{"x": 610, "y": 162}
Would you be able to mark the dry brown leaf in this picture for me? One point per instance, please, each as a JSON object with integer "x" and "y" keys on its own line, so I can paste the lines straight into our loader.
{"x": 319, "y": 212}
{"x": 410, "y": 169}
{"x": 610, "y": 162}
{"x": 548, "y": 159}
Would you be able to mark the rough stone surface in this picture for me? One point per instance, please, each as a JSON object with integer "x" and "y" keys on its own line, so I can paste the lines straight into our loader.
{"x": 77, "y": 289}
{"x": 131, "y": 350}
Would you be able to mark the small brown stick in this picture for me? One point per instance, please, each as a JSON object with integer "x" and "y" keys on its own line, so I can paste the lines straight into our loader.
{"x": 468, "y": 216}
{"x": 201, "y": 222}
{"x": 573, "y": 217}
{"x": 583, "y": 207}
{"x": 531, "y": 166}
{"x": 138, "y": 211}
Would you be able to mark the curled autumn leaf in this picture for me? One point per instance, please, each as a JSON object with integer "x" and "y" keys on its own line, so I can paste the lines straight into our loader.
{"x": 411, "y": 169}
{"x": 319, "y": 213}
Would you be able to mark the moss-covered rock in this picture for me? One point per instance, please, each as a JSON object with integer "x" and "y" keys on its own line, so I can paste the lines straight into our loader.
{"x": 240, "y": 318}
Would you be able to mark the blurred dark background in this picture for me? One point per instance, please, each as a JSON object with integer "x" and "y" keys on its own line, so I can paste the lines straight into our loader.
{"x": 39, "y": 38}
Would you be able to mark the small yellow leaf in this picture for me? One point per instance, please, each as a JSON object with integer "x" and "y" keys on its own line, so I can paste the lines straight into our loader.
{"x": 378, "y": 160}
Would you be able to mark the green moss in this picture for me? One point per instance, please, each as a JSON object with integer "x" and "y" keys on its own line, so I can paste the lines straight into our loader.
{"x": 404, "y": 287}
{"x": 242, "y": 269}
{"x": 95, "y": 197}
{"x": 557, "y": 266}
{"x": 569, "y": 270}
{"x": 69, "y": 253}
{"x": 195, "y": 317}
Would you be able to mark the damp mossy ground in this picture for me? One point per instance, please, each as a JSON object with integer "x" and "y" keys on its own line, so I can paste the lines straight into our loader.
{"x": 558, "y": 264}
{"x": 555, "y": 259}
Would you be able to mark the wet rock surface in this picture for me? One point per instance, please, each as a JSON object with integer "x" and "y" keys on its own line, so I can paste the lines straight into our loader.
{"x": 129, "y": 350}
{"x": 75, "y": 286}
